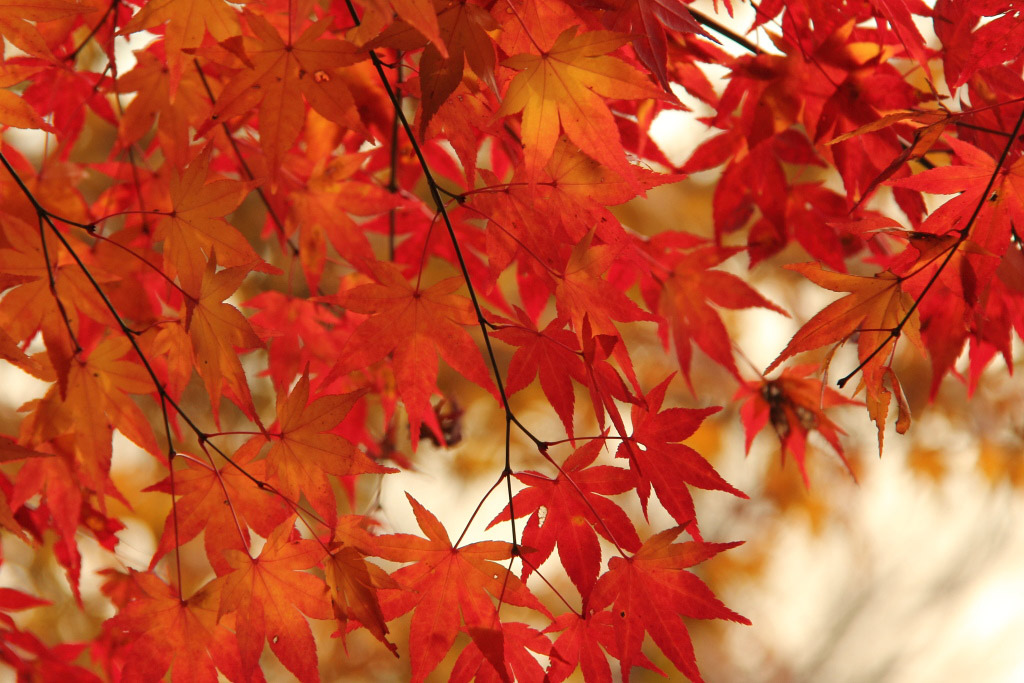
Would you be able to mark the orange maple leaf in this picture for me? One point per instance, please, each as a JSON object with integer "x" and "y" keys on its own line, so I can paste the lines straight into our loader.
{"x": 194, "y": 226}
{"x": 14, "y": 111}
{"x": 269, "y": 594}
{"x": 321, "y": 210}
{"x": 878, "y": 311}
{"x": 187, "y": 23}
{"x": 463, "y": 28}
{"x": 97, "y": 402}
{"x": 304, "y": 452}
{"x": 353, "y": 583}
{"x": 416, "y": 324}
{"x": 564, "y": 84}
{"x": 39, "y": 303}
{"x": 218, "y": 330}
{"x": 151, "y": 79}
{"x": 201, "y": 507}
{"x": 15, "y": 26}
{"x": 419, "y": 14}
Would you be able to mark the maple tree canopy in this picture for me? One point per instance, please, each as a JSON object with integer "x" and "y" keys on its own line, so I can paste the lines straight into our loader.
{"x": 248, "y": 245}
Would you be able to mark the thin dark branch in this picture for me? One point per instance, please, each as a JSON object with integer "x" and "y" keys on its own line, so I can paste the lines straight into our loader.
{"x": 710, "y": 23}
{"x": 393, "y": 161}
{"x": 435, "y": 194}
{"x": 95, "y": 29}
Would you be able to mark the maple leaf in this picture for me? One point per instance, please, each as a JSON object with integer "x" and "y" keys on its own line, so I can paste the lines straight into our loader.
{"x": 201, "y": 507}
{"x": 419, "y": 14}
{"x": 989, "y": 44}
{"x": 604, "y": 383}
{"x": 320, "y": 212}
{"x": 551, "y": 355}
{"x": 96, "y": 402}
{"x": 14, "y": 110}
{"x": 445, "y": 581}
{"x": 269, "y": 594}
{"x": 649, "y": 19}
{"x": 64, "y": 97}
{"x": 681, "y": 296}
{"x": 62, "y": 502}
{"x": 969, "y": 180}
{"x": 563, "y": 84}
{"x": 582, "y": 293}
{"x": 30, "y": 657}
{"x": 651, "y": 591}
{"x": 194, "y": 226}
{"x": 160, "y": 630}
{"x": 297, "y": 329}
{"x": 354, "y": 584}
{"x": 218, "y": 330}
{"x": 7, "y": 518}
{"x": 283, "y": 74}
{"x": 932, "y": 125}
{"x": 463, "y": 30}
{"x": 958, "y": 250}
{"x": 660, "y": 462}
{"x": 416, "y": 325}
{"x": 10, "y": 450}
{"x": 574, "y": 512}
{"x": 517, "y": 642}
{"x": 582, "y": 643}
{"x": 303, "y": 452}
{"x": 15, "y": 16}
{"x": 794, "y": 404}
{"x": 150, "y": 79}
{"x": 878, "y": 311}
{"x": 35, "y": 305}
{"x": 187, "y": 21}
{"x": 898, "y": 14}
{"x": 562, "y": 203}
{"x": 97, "y": 398}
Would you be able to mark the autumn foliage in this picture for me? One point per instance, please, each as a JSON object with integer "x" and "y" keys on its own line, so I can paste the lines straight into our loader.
{"x": 248, "y": 252}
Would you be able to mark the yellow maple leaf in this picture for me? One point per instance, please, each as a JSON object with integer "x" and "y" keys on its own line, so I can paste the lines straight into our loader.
{"x": 561, "y": 89}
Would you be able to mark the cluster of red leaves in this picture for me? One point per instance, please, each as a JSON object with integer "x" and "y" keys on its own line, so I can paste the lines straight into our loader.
{"x": 502, "y": 178}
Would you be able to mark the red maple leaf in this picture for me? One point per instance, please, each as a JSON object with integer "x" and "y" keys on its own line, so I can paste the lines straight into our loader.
{"x": 574, "y": 512}
{"x": 663, "y": 464}
{"x": 794, "y": 404}
{"x": 682, "y": 295}
{"x": 446, "y": 581}
{"x": 650, "y": 592}
{"x": 583, "y": 643}
{"x": 515, "y": 642}
{"x": 551, "y": 355}
{"x": 415, "y": 324}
